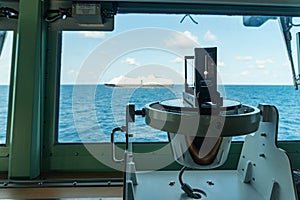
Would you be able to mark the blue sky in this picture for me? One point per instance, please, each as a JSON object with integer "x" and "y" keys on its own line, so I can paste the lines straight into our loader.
{"x": 246, "y": 55}
{"x": 5, "y": 59}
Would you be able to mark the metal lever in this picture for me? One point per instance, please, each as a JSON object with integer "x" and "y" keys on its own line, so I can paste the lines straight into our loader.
{"x": 112, "y": 140}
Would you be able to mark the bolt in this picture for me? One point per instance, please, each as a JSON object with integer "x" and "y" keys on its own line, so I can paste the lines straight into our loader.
{"x": 209, "y": 182}
{"x": 171, "y": 183}
{"x": 263, "y": 134}
{"x": 262, "y": 155}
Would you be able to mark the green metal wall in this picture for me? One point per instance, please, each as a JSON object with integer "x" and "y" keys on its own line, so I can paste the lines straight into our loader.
{"x": 32, "y": 120}
{"x": 27, "y": 99}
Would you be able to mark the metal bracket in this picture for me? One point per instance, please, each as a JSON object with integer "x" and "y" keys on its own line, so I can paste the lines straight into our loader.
{"x": 264, "y": 166}
{"x": 80, "y": 15}
{"x": 130, "y": 178}
{"x": 87, "y": 12}
{"x": 9, "y": 14}
{"x": 297, "y": 78}
{"x": 274, "y": 191}
{"x": 247, "y": 175}
{"x": 285, "y": 25}
{"x": 132, "y": 172}
{"x": 129, "y": 195}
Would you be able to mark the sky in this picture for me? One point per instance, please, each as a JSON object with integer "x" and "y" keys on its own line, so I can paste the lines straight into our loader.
{"x": 5, "y": 59}
{"x": 144, "y": 44}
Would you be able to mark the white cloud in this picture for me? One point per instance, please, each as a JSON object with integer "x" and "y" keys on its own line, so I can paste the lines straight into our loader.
{"x": 221, "y": 64}
{"x": 264, "y": 61}
{"x": 131, "y": 61}
{"x": 244, "y": 58}
{"x": 190, "y": 36}
{"x": 286, "y": 64}
{"x": 261, "y": 64}
{"x": 183, "y": 40}
{"x": 72, "y": 71}
{"x": 92, "y": 34}
{"x": 177, "y": 60}
{"x": 245, "y": 73}
{"x": 209, "y": 36}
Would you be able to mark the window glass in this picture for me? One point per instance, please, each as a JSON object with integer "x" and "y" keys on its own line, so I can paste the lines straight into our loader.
{"x": 5, "y": 67}
{"x": 90, "y": 108}
{"x": 102, "y": 72}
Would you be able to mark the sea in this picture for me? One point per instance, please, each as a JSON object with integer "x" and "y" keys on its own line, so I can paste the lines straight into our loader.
{"x": 88, "y": 113}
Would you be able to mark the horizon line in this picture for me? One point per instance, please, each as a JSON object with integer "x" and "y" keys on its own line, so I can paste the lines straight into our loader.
{"x": 234, "y": 84}
{"x": 263, "y": 84}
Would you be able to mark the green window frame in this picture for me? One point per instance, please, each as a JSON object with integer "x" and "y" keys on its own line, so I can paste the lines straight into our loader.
{"x": 76, "y": 157}
{"x": 8, "y": 25}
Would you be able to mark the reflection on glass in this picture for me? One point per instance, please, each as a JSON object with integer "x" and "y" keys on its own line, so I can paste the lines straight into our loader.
{"x": 252, "y": 64}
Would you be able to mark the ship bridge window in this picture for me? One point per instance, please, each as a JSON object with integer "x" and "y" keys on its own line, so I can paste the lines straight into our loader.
{"x": 94, "y": 92}
{"x": 6, "y": 38}
{"x": 101, "y": 72}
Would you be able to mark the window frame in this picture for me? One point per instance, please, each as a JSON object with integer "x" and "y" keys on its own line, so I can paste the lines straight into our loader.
{"x": 75, "y": 157}
{"x": 9, "y": 25}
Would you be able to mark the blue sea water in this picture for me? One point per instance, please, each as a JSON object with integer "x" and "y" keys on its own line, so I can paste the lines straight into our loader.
{"x": 3, "y": 112}
{"x": 96, "y": 110}
{"x": 88, "y": 113}
{"x": 109, "y": 110}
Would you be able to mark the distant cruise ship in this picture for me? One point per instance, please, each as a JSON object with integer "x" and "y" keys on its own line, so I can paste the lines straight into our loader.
{"x": 149, "y": 81}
